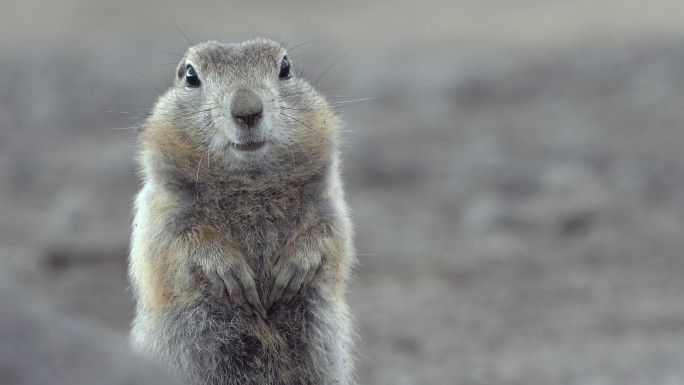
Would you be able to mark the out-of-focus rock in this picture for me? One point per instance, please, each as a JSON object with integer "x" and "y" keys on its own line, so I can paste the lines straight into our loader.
{"x": 39, "y": 346}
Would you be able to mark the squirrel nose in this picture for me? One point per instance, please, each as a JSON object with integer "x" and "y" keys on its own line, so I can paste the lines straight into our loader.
{"x": 246, "y": 108}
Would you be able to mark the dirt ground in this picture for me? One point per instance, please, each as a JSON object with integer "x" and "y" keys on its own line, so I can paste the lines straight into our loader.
{"x": 517, "y": 188}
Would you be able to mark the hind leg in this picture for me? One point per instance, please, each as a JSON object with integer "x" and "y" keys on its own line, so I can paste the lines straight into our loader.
{"x": 318, "y": 340}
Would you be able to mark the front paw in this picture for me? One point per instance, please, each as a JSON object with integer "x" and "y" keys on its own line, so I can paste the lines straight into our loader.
{"x": 236, "y": 282}
{"x": 291, "y": 275}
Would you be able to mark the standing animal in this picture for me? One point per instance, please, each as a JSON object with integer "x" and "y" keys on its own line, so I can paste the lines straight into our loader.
{"x": 242, "y": 243}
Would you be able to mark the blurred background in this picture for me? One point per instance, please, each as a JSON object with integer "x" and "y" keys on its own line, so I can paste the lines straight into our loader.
{"x": 518, "y": 188}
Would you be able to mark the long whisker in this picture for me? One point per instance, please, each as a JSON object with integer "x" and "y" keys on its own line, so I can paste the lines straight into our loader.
{"x": 142, "y": 76}
{"x": 312, "y": 129}
{"x": 344, "y": 103}
{"x": 330, "y": 141}
{"x": 205, "y": 123}
{"x": 301, "y": 148}
{"x": 126, "y": 112}
{"x": 356, "y": 100}
{"x": 181, "y": 31}
{"x": 305, "y": 54}
{"x": 134, "y": 106}
{"x": 171, "y": 53}
{"x": 289, "y": 149}
{"x": 163, "y": 65}
{"x": 334, "y": 85}
{"x": 320, "y": 109}
{"x": 331, "y": 66}
{"x": 186, "y": 114}
{"x": 197, "y": 176}
{"x": 301, "y": 44}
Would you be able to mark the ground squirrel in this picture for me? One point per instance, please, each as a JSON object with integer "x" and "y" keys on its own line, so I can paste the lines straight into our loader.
{"x": 242, "y": 243}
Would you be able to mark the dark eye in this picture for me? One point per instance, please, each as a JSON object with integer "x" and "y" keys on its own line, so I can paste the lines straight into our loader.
{"x": 191, "y": 78}
{"x": 284, "y": 68}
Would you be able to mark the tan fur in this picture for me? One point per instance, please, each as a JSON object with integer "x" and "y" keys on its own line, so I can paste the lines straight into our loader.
{"x": 239, "y": 259}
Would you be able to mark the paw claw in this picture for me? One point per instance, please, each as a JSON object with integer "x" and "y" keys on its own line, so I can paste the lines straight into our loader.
{"x": 237, "y": 283}
{"x": 290, "y": 280}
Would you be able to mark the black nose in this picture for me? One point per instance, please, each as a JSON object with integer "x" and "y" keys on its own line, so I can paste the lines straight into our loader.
{"x": 248, "y": 121}
{"x": 246, "y": 108}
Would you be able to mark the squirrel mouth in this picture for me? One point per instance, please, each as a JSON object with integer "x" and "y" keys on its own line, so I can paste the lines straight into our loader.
{"x": 249, "y": 146}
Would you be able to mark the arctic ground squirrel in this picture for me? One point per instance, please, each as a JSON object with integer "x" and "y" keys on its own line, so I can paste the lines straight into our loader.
{"x": 242, "y": 243}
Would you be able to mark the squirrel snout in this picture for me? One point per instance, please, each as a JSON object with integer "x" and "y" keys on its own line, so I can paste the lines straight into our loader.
{"x": 246, "y": 108}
